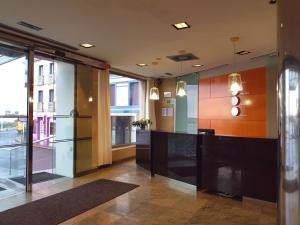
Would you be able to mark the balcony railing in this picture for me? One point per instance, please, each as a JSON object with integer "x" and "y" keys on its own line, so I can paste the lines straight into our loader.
{"x": 51, "y": 106}
{"x": 40, "y": 80}
{"x": 51, "y": 79}
{"x": 40, "y": 107}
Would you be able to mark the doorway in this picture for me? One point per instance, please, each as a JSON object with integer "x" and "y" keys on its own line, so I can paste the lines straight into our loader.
{"x": 13, "y": 119}
{"x": 53, "y": 119}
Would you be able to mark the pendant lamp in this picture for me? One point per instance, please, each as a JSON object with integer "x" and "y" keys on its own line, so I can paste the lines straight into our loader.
{"x": 154, "y": 92}
{"x": 181, "y": 86}
{"x": 234, "y": 79}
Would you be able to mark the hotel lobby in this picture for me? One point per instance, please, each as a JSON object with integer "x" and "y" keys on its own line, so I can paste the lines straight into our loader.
{"x": 130, "y": 112}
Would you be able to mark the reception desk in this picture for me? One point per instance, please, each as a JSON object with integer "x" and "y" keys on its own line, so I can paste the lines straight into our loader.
{"x": 232, "y": 166}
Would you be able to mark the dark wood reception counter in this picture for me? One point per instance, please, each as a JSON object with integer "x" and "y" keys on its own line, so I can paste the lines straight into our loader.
{"x": 232, "y": 166}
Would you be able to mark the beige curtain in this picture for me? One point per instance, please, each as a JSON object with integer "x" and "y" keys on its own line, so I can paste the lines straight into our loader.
{"x": 102, "y": 115}
{"x": 150, "y": 106}
{"x": 143, "y": 90}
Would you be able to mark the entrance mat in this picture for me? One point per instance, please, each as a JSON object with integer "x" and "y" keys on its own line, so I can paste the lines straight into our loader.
{"x": 37, "y": 178}
{"x": 2, "y": 189}
{"x": 60, "y": 207}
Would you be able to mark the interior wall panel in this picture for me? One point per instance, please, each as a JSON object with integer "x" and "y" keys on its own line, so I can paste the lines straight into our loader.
{"x": 214, "y": 108}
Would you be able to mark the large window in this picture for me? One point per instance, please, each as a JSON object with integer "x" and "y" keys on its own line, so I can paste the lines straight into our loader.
{"x": 13, "y": 120}
{"x": 125, "y": 108}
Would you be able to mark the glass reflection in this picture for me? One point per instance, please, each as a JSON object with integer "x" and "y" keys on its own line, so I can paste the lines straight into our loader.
{"x": 289, "y": 144}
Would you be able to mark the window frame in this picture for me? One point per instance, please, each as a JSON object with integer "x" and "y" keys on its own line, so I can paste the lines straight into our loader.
{"x": 51, "y": 68}
{"x": 139, "y": 81}
{"x": 41, "y": 70}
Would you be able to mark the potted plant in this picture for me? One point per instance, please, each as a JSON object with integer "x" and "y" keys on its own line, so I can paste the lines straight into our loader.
{"x": 142, "y": 123}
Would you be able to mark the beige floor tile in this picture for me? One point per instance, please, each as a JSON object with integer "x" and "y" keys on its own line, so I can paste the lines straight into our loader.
{"x": 158, "y": 201}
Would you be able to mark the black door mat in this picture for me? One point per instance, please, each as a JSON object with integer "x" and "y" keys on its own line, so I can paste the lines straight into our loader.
{"x": 37, "y": 178}
{"x": 60, "y": 207}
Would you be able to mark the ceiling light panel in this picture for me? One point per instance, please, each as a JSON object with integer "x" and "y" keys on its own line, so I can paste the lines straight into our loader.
{"x": 198, "y": 65}
{"x": 141, "y": 64}
{"x": 87, "y": 45}
{"x": 182, "y": 25}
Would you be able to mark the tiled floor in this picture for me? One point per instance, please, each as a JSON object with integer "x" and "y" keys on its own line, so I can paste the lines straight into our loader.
{"x": 158, "y": 201}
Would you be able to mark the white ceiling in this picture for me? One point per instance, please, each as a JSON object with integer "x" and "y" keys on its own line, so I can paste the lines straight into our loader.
{"x": 127, "y": 32}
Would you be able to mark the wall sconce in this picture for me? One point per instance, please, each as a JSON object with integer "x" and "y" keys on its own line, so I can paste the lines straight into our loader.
{"x": 235, "y": 111}
{"x": 181, "y": 88}
{"x": 90, "y": 99}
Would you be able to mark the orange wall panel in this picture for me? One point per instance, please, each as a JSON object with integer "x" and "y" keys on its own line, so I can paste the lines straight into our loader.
{"x": 219, "y": 87}
{"x": 214, "y": 108}
{"x": 204, "y": 88}
{"x": 254, "y": 82}
{"x": 204, "y": 124}
{"x": 252, "y": 108}
{"x": 239, "y": 128}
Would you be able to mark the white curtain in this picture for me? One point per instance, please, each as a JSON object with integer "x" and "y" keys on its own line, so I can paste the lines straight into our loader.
{"x": 150, "y": 106}
{"x": 102, "y": 110}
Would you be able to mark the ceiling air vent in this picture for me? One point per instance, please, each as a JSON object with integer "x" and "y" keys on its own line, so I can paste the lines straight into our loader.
{"x": 272, "y": 54}
{"x": 214, "y": 68}
{"x": 183, "y": 57}
{"x": 30, "y": 26}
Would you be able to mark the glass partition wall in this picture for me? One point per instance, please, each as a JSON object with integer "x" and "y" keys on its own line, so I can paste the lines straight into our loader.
{"x": 53, "y": 117}
{"x": 13, "y": 119}
{"x": 36, "y": 133}
{"x": 86, "y": 101}
{"x": 49, "y": 117}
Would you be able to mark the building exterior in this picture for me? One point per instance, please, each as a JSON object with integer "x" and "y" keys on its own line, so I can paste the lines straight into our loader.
{"x": 125, "y": 108}
{"x": 44, "y": 101}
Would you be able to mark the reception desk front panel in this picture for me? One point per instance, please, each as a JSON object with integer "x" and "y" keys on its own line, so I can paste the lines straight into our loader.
{"x": 240, "y": 166}
{"x": 175, "y": 155}
{"x": 233, "y": 166}
{"x": 168, "y": 154}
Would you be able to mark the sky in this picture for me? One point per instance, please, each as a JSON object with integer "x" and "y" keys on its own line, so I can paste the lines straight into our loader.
{"x": 13, "y": 93}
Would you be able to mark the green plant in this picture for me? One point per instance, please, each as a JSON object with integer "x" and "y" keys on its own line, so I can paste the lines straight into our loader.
{"x": 142, "y": 123}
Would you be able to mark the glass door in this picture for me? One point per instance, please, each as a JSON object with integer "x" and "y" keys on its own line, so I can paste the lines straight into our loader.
{"x": 53, "y": 117}
{"x": 13, "y": 120}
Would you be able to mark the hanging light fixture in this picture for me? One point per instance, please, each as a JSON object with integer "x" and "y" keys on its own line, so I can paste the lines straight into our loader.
{"x": 234, "y": 79}
{"x": 181, "y": 88}
{"x": 154, "y": 92}
{"x": 181, "y": 85}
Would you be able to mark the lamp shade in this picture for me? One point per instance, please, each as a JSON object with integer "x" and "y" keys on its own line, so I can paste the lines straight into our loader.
{"x": 154, "y": 93}
{"x": 181, "y": 88}
{"x": 235, "y": 82}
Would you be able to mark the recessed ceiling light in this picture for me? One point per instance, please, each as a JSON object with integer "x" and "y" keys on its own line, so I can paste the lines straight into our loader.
{"x": 242, "y": 53}
{"x": 198, "y": 65}
{"x": 87, "y": 45}
{"x": 141, "y": 64}
{"x": 182, "y": 25}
